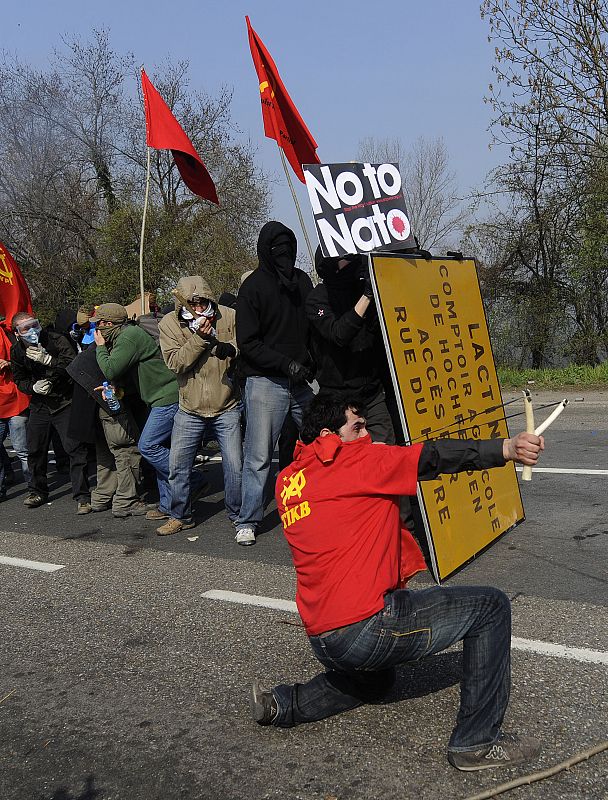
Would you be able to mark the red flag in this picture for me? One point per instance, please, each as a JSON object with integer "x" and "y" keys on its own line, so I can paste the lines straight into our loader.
{"x": 14, "y": 291}
{"x": 164, "y": 132}
{"x": 282, "y": 120}
{"x": 14, "y": 297}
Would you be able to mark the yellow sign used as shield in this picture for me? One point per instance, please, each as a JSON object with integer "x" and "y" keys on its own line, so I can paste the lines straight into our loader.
{"x": 442, "y": 365}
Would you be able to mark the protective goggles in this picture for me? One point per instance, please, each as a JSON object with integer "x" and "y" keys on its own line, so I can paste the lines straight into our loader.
{"x": 28, "y": 324}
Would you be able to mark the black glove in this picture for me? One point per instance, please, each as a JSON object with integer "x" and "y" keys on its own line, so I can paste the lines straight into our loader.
{"x": 366, "y": 281}
{"x": 298, "y": 373}
{"x": 223, "y": 350}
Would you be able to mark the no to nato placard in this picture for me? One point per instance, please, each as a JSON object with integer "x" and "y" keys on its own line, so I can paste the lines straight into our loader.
{"x": 358, "y": 207}
{"x": 445, "y": 380}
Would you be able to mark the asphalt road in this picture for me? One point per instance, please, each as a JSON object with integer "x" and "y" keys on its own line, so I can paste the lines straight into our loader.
{"x": 120, "y": 681}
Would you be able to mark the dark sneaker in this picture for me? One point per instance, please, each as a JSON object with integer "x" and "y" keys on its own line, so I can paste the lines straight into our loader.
{"x": 262, "y": 704}
{"x": 34, "y": 500}
{"x": 136, "y": 510}
{"x": 508, "y": 750}
{"x": 101, "y": 507}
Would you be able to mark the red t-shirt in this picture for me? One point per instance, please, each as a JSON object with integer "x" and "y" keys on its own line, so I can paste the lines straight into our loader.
{"x": 338, "y": 503}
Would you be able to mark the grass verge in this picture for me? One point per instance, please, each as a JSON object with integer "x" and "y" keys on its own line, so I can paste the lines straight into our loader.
{"x": 573, "y": 376}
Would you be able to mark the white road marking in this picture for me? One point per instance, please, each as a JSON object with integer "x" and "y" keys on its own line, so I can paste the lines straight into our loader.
{"x": 42, "y": 566}
{"x": 566, "y": 471}
{"x": 560, "y": 651}
{"x": 526, "y": 645}
{"x": 252, "y": 600}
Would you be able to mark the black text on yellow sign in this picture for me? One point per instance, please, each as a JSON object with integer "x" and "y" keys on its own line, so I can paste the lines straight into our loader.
{"x": 445, "y": 380}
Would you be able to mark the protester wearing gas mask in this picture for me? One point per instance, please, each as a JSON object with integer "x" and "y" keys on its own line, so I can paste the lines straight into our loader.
{"x": 198, "y": 343}
{"x": 39, "y": 359}
{"x": 82, "y": 332}
{"x": 272, "y": 336}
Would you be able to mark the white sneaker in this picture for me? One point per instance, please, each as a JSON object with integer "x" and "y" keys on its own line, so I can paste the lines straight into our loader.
{"x": 245, "y": 536}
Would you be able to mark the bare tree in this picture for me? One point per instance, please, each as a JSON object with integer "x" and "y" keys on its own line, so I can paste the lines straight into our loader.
{"x": 72, "y": 173}
{"x": 437, "y": 212}
{"x": 564, "y": 44}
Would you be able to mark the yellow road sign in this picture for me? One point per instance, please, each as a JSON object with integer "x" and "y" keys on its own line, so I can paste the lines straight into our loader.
{"x": 445, "y": 380}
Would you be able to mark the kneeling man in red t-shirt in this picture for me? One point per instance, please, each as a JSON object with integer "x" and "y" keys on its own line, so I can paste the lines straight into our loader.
{"x": 339, "y": 505}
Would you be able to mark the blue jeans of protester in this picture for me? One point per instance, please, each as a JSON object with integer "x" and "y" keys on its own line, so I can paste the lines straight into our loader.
{"x": 154, "y": 443}
{"x": 16, "y": 428}
{"x": 361, "y": 658}
{"x": 267, "y": 402}
{"x": 188, "y": 433}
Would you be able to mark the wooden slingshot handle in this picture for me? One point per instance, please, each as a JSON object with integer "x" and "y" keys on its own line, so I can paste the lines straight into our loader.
{"x": 526, "y": 474}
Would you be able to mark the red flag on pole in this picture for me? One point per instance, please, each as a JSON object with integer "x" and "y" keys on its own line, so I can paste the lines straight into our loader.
{"x": 14, "y": 297}
{"x": 282, "y": 120}
{"x": 14, "y": 291}
{"x": 163, "y": 132}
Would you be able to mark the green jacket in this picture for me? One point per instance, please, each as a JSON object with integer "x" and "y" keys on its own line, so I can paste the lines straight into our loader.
{"x": 135, "y": 350}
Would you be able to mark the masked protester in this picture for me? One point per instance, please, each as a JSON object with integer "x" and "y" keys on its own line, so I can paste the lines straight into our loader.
{"x": 272, "y": 336}
{"x": 127, "y": 354}
{"x": 347, "y": 341}
{"x": 82, "y": 331}
{"x": 198, "y": 343}
{"x": 39, "y": 360}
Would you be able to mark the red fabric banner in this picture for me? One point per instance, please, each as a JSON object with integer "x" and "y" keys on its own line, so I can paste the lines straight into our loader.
{"x": 282, "y": 120}
{"x": 14, "y": 297}
{"x": 163, "y": 132}
{"x": 14, "y": 291}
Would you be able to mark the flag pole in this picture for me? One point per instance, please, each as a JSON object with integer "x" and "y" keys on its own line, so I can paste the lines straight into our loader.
{"x": 298, "y": 209}
{"x": 141, "y": 241}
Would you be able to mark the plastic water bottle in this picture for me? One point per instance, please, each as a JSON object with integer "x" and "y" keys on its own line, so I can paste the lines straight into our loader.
{"x": 110, "y": 397}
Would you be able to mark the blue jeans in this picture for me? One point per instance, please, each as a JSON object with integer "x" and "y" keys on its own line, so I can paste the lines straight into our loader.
{"x": 154, "y": 446}
{"x": 188, "y": 433}
{"x": 361, "y": 659}
{"x": 16, "y": 428}
{"x": 267, "y": 402}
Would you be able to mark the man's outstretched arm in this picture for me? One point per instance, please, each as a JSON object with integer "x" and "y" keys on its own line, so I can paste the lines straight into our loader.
{"x": 445, "y": 456}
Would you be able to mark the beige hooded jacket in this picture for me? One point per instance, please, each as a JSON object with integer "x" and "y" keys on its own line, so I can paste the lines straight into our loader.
{"x": 204, "y": 386}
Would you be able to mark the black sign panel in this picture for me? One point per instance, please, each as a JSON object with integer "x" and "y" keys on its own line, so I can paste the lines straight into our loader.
{"x": 358, "y": 207}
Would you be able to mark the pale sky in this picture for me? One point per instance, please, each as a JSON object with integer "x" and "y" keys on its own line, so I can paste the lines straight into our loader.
{"x": 354, "y": 69}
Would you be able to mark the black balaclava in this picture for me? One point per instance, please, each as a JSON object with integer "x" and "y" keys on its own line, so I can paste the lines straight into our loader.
{"x": 277, "y": 250}
{"x": 344, "y": 288}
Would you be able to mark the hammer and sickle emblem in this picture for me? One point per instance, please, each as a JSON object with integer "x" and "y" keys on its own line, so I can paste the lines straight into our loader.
{"x": 6, "y": 273}
{"x": 265, "y": 85}
{"x": 294, "y": 488}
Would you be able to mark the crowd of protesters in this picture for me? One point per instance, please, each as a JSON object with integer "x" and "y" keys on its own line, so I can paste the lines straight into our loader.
{"x": 145, "y": 395}
{"x": 152, "y": 392}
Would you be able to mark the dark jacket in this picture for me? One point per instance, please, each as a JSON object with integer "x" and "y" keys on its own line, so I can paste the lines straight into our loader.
{"x": 26, "y": 372}
{"x": 271, "y": 325}
{"x": 347, "y": 349}
{"x": 87, "y": 376}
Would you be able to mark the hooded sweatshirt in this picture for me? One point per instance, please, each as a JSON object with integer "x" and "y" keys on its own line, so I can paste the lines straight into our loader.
{"x": 339, "y": 505}
{"x": 347, "y": 349}
{"x": 272, "y": 329}
{"x": 202, "y": 367}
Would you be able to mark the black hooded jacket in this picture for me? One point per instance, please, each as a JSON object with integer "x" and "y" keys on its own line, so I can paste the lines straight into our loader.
{"x": 347, "y": 349}
{"x": 27, "y": 372}
{"x": 271, "y": 325}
